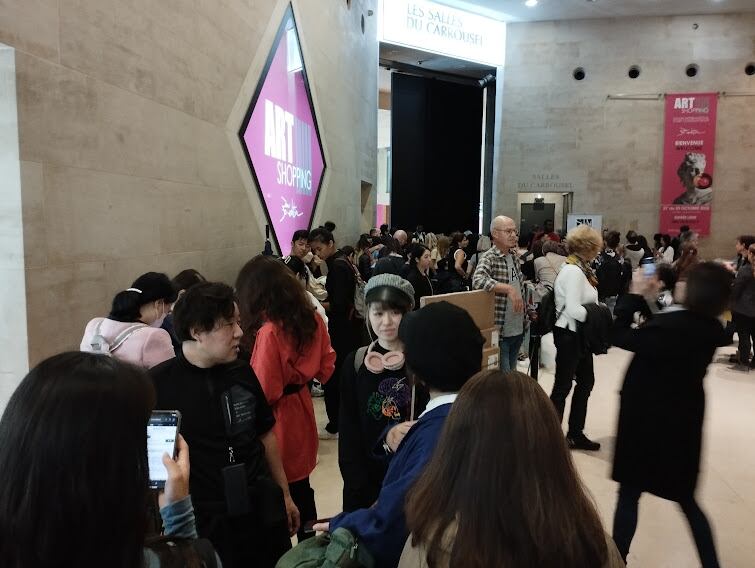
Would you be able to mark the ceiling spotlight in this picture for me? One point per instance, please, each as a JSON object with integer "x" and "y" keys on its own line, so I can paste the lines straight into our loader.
{"x": 531, "y": 3}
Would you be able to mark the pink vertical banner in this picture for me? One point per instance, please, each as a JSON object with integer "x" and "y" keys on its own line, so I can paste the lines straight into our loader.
{"x": 688, "y": 155}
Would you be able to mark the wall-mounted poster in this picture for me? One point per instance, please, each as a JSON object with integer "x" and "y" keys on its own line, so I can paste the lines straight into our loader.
{"x": 577, "y": 219}
{"x": 688, "y": 153}
{"x": 281, "y": 140}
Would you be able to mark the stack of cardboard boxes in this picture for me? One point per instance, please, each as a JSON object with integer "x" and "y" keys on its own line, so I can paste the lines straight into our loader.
{"x": 481, "y": 306}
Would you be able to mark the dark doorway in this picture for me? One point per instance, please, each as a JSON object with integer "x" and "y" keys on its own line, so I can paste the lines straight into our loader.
{"x": 534, "y": 214}
{"x": 436, "y": 138}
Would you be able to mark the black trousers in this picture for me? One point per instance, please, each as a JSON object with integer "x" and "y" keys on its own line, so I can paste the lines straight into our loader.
{"x": 244, "y": 541}
{"x": 304, "y": 498}
{"x": 745, "y": 327}
{"x": 572, "y": 365}
{"x": 625, "y": 524}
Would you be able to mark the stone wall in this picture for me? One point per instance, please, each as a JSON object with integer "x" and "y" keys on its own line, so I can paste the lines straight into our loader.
{"x": 128, "y": 112}
{"x": 611, "y": 151}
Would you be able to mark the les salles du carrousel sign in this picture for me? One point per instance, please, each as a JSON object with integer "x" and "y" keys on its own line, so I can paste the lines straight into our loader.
{"x": 281, "y": 139}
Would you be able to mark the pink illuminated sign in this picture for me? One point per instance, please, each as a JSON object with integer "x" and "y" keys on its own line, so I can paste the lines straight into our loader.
{"x": 281, "y": 139}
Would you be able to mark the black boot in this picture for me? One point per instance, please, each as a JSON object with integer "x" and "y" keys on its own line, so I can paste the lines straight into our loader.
{"x": 581, "y": 442}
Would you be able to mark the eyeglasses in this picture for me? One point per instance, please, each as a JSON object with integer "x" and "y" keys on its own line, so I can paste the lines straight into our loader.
{"x": 507, "y": 231}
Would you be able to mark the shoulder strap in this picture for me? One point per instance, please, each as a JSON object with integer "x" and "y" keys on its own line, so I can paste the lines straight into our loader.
{"x": 125, "y": 334}
{"x": 359, "y": 357}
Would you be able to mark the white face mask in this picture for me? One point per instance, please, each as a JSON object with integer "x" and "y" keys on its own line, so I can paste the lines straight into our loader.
{"x": 308, "y": 257}
{"x": 159, "y": 321}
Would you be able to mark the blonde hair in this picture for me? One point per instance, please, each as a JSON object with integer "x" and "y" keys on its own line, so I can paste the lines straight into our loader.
{"x": 444, "y": 245}
{"x": 584, "y": 241}
{"x": 431, "y": 241}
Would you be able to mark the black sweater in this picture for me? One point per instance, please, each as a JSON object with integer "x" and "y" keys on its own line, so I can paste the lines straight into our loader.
{"x": 369, "y": 404}
{"x": 421, "y": 284}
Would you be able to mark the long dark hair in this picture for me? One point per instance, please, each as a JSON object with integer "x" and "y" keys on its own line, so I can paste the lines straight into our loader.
{"x": 501, "y": 489}
{"x": 268, "y": 291}
{"x": 74, "y": 475}
{"x": 456, "y": 238}
{"x": 151, "y": 286}
{"x": 416, "y": 253}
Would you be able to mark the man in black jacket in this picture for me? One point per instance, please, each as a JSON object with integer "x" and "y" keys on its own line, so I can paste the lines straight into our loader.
{"x": 609, "y": 271}
{"x": 343, "y": 324}
{"x": 240, "y": 491}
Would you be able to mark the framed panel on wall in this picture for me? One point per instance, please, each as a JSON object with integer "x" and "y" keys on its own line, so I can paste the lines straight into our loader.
{"x": 281, "y": 139}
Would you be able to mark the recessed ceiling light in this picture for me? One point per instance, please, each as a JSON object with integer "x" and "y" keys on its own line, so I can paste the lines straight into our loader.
{"x": 531, "y": 3}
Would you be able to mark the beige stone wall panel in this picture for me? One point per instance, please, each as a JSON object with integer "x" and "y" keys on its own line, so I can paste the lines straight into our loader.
{"x": 129, "y": 113}
{"x": 552, "y": 123}
{"x": 30, "y": 26}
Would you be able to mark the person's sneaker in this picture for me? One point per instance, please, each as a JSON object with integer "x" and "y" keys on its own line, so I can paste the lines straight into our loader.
{"x": 740, "y": 368}
{"x": 317, "y": 390}
{"x": 581, "y": 442}
{"x": 323, "y": 434}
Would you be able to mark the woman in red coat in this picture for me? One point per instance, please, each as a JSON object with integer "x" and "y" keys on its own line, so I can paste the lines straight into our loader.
{"x": 289, "y": 346}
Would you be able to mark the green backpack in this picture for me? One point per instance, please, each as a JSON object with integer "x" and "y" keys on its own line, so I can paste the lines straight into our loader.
{"x": 338, "y": 549}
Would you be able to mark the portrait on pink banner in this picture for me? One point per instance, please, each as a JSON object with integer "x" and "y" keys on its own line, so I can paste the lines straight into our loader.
{"x": 687, "y": 190}
{"x": 281, "y": 139}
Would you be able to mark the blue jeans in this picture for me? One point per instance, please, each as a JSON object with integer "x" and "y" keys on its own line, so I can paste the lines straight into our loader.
{"x": 510, "y": 351}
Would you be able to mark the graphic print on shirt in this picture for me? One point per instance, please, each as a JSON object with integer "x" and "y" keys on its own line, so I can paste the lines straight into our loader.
{"x": 392, "y": 397}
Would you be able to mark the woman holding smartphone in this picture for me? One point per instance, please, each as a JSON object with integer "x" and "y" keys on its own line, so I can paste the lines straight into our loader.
{"x": 77, "y": 493}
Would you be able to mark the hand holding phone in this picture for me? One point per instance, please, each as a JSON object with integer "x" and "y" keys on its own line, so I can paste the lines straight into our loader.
{"x": 177, "y": 484}
{"x": 162, "y": 436}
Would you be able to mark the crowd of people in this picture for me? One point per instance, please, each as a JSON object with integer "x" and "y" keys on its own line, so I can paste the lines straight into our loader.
{"x": 443, "y": 465}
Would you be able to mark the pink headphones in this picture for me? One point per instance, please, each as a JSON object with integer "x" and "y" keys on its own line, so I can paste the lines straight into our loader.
{"x": 377, "y": 363}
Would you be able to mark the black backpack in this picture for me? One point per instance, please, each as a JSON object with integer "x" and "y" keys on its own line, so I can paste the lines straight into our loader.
{"x": 610, "y": 276}
{"x": 546, "y": 314}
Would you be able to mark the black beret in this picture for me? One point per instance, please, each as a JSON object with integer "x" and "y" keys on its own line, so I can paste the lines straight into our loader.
{"x": 443, "y": 345}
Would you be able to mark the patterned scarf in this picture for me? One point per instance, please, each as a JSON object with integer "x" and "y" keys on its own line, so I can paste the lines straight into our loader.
{"x": 585, "y": 268}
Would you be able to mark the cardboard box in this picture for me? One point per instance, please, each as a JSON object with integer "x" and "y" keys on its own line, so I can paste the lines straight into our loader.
{"x": 478, "y": 303}
{"x": 491, "y": 358}
{"x": 491, "y": 335}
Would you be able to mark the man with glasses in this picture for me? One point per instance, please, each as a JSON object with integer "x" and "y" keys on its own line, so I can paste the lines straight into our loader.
{"x": 499, "y": 273}
{"x": 238, "y": 485}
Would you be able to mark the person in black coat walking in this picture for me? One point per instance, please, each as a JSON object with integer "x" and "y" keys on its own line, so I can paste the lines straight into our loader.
{"x": 663, "y": 401}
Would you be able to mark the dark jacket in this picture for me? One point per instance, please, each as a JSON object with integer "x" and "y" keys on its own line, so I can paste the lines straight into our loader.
{"x": 610, "y": 273}
{"x": 595, "y": 331}
{"x": 422, "y": 285}
{"x": 662, "y": 399}
{"x": 743, "y": 292}
{"x": 370, "y": 403}
{"x": 389, "y": 265}
{"x": 382, "y": 527}
{"x": 365, "y": 266}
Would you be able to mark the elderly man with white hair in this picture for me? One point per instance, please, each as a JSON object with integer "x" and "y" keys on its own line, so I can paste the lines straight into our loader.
{"x": 498, "y": 272}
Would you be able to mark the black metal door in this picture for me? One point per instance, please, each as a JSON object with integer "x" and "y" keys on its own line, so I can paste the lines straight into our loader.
{"x": 535, "y": 214}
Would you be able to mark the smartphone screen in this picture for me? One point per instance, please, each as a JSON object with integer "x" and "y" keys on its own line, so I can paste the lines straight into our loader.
{"x": 648, "y": 267}
{"x": 162, "y": 432}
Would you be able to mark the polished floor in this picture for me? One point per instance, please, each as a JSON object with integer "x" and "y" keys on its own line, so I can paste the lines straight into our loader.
{"x": 727, "y": 484}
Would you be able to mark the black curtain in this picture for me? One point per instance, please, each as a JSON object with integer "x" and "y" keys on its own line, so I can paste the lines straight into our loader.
{"x": 436, "y": 137}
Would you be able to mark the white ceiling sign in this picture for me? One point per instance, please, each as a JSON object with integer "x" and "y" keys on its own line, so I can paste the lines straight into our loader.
{"x": 440, "y": 29}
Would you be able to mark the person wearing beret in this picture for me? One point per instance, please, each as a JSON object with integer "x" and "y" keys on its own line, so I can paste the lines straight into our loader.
{"x": 442, "y": 349}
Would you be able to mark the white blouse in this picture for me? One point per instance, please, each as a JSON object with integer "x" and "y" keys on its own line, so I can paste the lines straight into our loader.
{"x": 573, "y": 291}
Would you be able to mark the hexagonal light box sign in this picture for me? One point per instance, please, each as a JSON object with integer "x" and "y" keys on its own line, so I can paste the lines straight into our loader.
{"x": 281, "y": 140}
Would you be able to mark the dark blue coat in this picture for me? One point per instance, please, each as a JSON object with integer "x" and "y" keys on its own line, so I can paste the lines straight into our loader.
{"x": 382, "y": 528}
